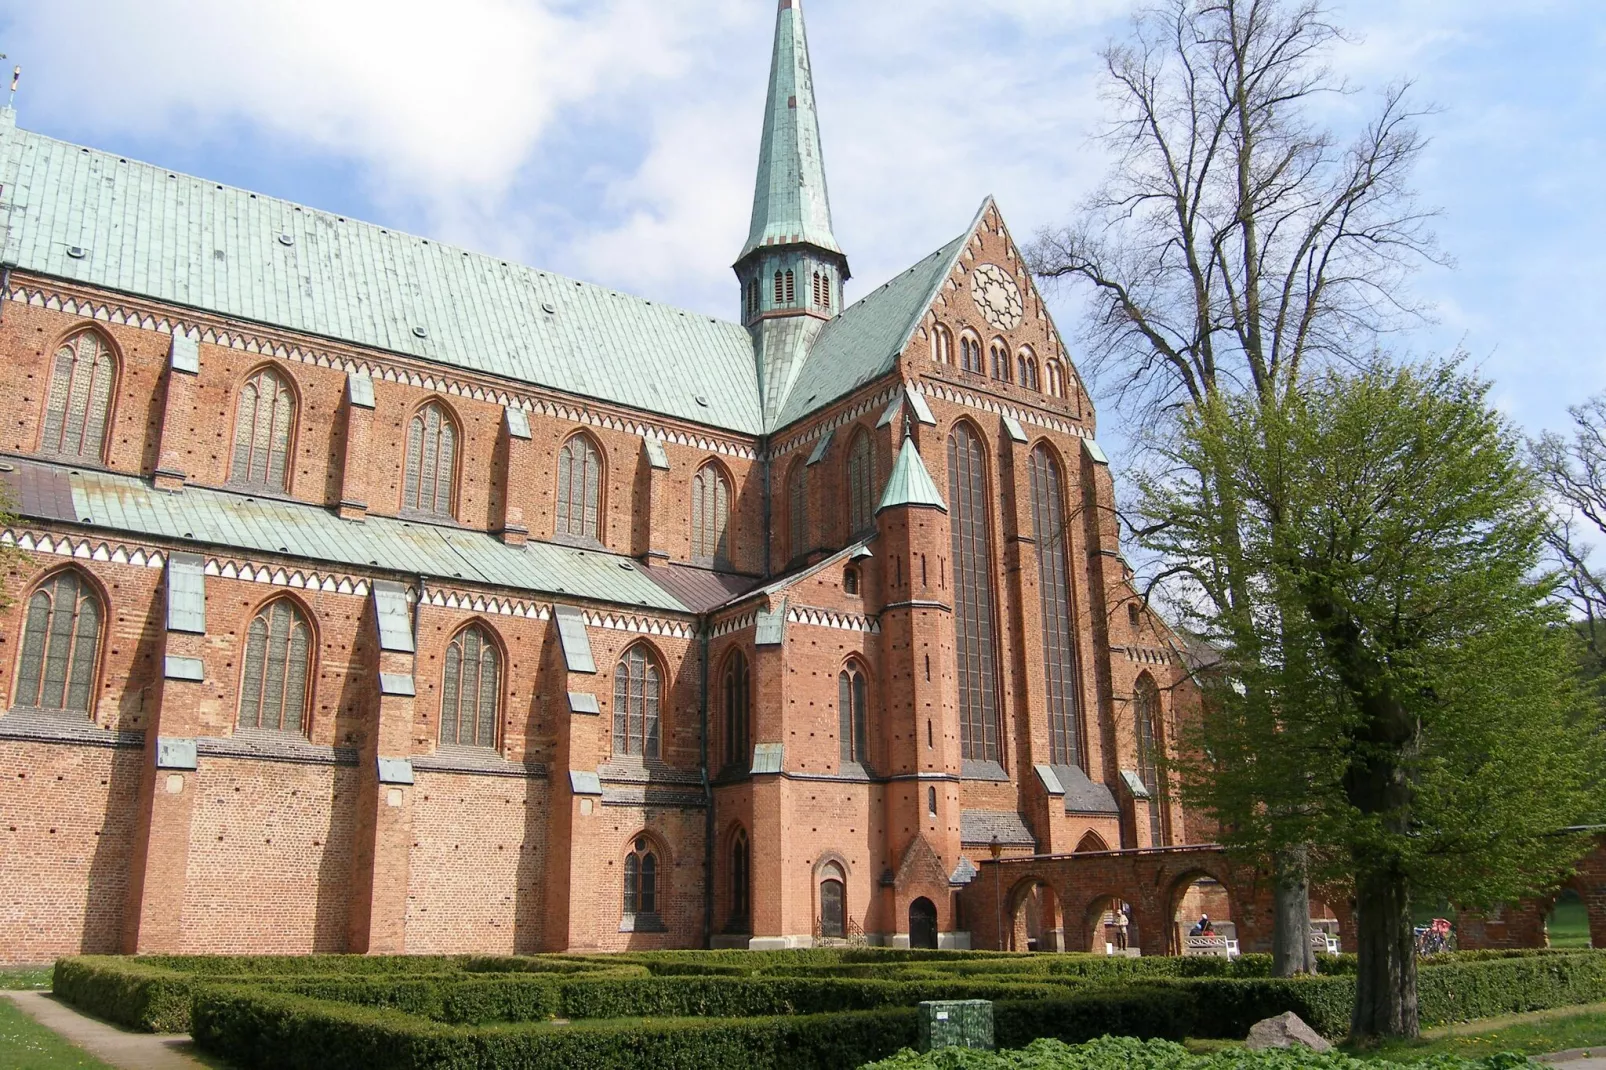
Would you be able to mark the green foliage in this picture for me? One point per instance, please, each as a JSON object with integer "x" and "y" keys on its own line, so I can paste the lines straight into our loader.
{"x": 252, "y": 1028}
{"x": 130, "y": 992}
{"x": 1126, "y": 1053}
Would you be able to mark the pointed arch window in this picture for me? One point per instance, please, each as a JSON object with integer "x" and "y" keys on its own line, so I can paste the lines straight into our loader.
{"x": 278, "y": 669}
{"x": 833, "y": 902}
{"x": 741, "y": 876}
{"x": 470, "y": 689}
{"x": 970, "y": 354}
{"x": 1056, "y": 379}
{"x": 737, "y": 695}
{"x": 1000, "y": 356}
{"x": 797, "y": 510}
{"x": 1054, "y": 601}
{"x": 83, "y": 374}
{"x": 819, "y": 299}
{"x": 710, "y": 514}
{"x": 579, "y": 489}
{"x": 861, "y": 483}
{"x": 263, "y": 421}
{"x": 636, "y": 690}
{"x": 60, "y": 644}
{"x": 853, "y": 696}
{"x": 780, "y": 289}
{"x": 825, "y": 284}
{"x": 791, "y": 291}
{"x": 1026, "y": 369}
{"x": 942, "y": 345}
{"x": 973, "y": 590}
{"x": 1146, "y": 711}
{"x": 641, "y": 888}
{"x": 431, "y": 462}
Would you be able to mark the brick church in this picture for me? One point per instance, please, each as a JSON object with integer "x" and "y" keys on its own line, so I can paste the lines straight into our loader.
{"x": 369, "y": 594}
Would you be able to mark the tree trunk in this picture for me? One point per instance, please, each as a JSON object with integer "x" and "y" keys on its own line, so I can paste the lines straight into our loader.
{"x": 1385, "y": 976}
{"x": 1291, "y": 951}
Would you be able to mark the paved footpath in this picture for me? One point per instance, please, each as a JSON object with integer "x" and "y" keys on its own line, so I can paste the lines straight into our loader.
{"x": 124, "y": 1050}
{"x": 1575, "y": 1059}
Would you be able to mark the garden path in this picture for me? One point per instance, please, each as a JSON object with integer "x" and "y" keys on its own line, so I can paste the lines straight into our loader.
{"x": 124, "y": 1050}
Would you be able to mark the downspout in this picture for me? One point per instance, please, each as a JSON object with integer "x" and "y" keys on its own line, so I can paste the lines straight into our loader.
{"x": 5, "y": 289}
{"x": 708, "y": 802}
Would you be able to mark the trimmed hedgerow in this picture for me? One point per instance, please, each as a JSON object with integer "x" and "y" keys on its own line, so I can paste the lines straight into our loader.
{"x": 1147, "y": 1012}
{"x": 729, "y": 997}
{"x": 130, "y": 992}
{"x": 257, "y": 1029}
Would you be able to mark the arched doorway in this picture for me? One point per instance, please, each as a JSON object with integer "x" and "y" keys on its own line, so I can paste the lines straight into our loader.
{"x": 1202, "y": 921}
{"x": 1034, "y": 923}
{"x": 1567, "y": 924}
{"x": 1110, "y": 927}
{"x": 923, "y": 924}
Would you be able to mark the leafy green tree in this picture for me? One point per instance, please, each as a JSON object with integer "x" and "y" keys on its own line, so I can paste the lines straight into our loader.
{"x": 1237, "y": 240}
{"x": 1413, "y": 710}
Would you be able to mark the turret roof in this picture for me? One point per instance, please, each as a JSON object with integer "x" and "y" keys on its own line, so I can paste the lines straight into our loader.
{"x": 910, "y": 483}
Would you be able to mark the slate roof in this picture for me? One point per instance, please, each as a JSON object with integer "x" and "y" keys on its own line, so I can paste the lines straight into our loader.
{"x": 862, "y": 344}
{"x": 1083, "y": 795}
{"x": 980, "y": 826}
{"x": 791, "y": 204}
{"x": 153, "y": 233}
{"x": 200, "y": 517}
{"x": 910, "y": 483}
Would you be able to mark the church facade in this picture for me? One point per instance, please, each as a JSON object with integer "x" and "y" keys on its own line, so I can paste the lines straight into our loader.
{"x": 368, "y": 594}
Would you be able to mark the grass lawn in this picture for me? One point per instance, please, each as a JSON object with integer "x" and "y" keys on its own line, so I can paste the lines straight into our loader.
{"x": 27, "y": 1045}
{"x": 1529, "y": 1034}
{"x": 25, "y": 977}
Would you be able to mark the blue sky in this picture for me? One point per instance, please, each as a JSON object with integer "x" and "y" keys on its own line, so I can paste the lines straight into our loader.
{"x": 614, "y": 140}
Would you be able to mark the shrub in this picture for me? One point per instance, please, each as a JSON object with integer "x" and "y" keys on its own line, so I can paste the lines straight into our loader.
{"x": 1151, "y": 1012}
{"x": 253, "y": 1029}
{"x": 132, "y": 993}
{"x": 668, "y": 997}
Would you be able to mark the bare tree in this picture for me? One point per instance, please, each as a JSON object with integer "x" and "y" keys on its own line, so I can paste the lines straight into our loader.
{"x": 1574, "y": 471}
{"x": 1237, "y": 242}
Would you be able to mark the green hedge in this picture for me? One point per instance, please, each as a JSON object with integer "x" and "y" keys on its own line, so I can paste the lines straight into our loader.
{"x": 256, "y": 1029}
{"x": 1152, "y": 1012}
{"x": 731, "y": 997}
{"x": 130, "y": 992}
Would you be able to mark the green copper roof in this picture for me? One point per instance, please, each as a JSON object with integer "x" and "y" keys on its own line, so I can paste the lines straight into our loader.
{"x": 863, "y": 343}
{"x": 211, "y": 518}
{"x": 910, "y": 483}
{"x": 102, "y": 220}
{"x": 790, "y": 203}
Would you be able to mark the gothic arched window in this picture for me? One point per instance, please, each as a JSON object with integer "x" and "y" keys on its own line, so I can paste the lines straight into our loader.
{"x": 579, "y": 489}
{"x": 833, "y": 902}
{"x": 1056, "y": 378}
{"x": 1026, "y": 369}
{"x": 636, "y": 689}
{"x": 861, "y": 483}
{"x": 1000, "y": 355}
{"x": 83, "y": 374}
{"x": 431, "y": 470}
{"x": 737, "y": 694}
{"x": 710, "y": 514}
{"x": 970, "y": 355}
{"x": 741, "y": 871}
{"x": 278, "y": 669}
{"x": 263, "y": 420}
{"x": 470, "y": 689}
{"x": 797, "y": 510}
{"x": 791, "y": 291}
{"x": 973, "y": 589}
{"x": 780, "y": 291}
{"x": 1146, "y": 712}
{"x": 641, "y": 878}
{"x": 1054, "y": 602}
{"x": 942, "y": 345}
{"x": 60, "y": 643}
{"x": 819, "y": 299}
{"x": 853, "y": 696}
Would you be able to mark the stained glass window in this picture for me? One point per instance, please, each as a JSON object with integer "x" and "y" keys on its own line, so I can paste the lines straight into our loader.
{"x": 641, "y": 878}
{"x": 579, "y": 489}
{"x": 263, "y": 420}
{"x": 852, "y": 700}
{"x": 470, "y": 689}
{"x": 60, "y": 640}
{"x": 431, "y": 462}
{"x": 710, "y": 514}
{"x": 861, "y": 483}
{"x": 973, "y": 590}
{"x": 82, "y": 376}
{"x": 278, "y": 657}
{"x": 635, "y": 705}
{"x": 1054, "y": 600}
